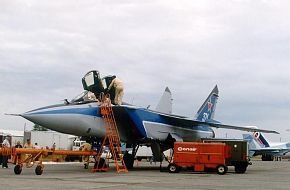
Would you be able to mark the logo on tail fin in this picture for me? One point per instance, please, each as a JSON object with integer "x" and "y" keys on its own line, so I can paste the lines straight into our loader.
{"x": 209, "y": 106}
{"x": 260, "y": 139}
{"x": 206, "y": 111}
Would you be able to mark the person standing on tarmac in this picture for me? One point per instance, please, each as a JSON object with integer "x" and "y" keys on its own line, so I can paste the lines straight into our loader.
{"x": 5, "y": 144}
{"x": 86, "y": 159}
{"x": 28, "y": 144}
{"x": 119, "y": 90}
{"x": 1, "y": 158}
{"x": 53, "y": 146}
{"x": 18, "y": 145}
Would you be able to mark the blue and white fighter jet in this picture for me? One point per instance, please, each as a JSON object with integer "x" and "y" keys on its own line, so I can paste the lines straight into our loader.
{"x": 136, "y": 125}
{"x": 259, "y": 145}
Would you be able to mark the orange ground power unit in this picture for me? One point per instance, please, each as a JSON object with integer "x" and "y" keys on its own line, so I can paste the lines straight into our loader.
{"x": 200, "y": 156}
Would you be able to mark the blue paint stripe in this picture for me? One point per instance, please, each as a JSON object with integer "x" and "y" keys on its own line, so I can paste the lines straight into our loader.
{"x": 140, "y": 115}
{"x": 263, "y": 140}
{"x": 135, "y": 116}
{"x": 93, "y": 111}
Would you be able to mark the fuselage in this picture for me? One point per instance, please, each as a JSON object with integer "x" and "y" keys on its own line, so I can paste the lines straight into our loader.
{"x": 134, "y": 123}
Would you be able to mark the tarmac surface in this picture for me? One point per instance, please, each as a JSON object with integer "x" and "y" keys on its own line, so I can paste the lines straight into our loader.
{"x": 260, "y": 175}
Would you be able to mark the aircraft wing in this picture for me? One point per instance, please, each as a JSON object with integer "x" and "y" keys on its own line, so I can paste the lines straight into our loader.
{"x": 217, "y": 125}
{"x": 190, "y": 122}
{"x": 271, "y": 151}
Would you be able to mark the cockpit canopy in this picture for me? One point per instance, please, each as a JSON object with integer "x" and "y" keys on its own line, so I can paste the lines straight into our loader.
{"x": 93, "y": 82}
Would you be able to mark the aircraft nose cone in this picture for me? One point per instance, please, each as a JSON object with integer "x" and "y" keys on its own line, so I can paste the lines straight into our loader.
{"x": 29, "y": 116}
{"x": 34, "y": 117}
{"x": 81, "y": 120}
{"x": 42, "y": 116}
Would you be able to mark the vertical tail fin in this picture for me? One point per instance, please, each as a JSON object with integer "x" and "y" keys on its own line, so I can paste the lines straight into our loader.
{"x": 206, "y": 111}
{"x": 165, "y": 102}
{"x": 256, "y": 140}
{"x": 260, "y": 139}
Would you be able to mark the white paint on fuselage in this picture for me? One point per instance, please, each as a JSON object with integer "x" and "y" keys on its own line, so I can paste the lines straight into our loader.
{"x": 75, "y": 124}
{"x": 70, "y": 123}
{"x": 160, "y": 131}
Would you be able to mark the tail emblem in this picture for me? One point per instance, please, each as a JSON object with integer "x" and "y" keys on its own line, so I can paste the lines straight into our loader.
{"x": 257, "y": 137}
{"x": 209, "y": 106}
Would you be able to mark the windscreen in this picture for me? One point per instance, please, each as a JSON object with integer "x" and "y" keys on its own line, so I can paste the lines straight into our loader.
{"x": 81, "y": 97}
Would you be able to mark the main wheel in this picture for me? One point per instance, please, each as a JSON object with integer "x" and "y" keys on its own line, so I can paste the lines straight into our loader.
{"x": 222, "y": 169}
{"x": 17, "y": 169}
{"x": 38, "y": 170}
{"x": 267, "y": 157}
{"x": 240, "y": 169}
{"x": 173, "y": 168}
{"x": 129, "y": 160}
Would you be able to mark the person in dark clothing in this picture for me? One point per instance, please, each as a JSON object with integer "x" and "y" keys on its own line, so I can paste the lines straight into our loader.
{"x": 18, "y": 145}
{"x": 5, "y": 144}
{"x": 1, "y": 155}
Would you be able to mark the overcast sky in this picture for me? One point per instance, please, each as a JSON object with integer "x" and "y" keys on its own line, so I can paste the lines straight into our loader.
{"x": 46, "y": 47}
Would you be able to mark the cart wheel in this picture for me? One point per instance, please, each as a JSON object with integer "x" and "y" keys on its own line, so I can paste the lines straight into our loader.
{"x": 222, "y": 169}
{"x": 38, "y": 170}
{"x": 17, "y": 169}
{"x": 172, "y": 168}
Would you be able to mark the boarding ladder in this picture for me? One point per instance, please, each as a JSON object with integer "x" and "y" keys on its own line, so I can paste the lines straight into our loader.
{"x": 111, "y": 140}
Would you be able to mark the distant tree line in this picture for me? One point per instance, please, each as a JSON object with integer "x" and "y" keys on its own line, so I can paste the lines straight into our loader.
{"x": 37, "y": 127}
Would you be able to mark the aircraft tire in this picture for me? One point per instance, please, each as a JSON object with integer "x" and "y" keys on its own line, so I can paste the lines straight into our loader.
{"x": 129, "y": 160}
{"x": 267, "y": 157}
{"x": 38, "y": 170}
{"x": 240, "y": 168}
{"x": 17, "y": 169}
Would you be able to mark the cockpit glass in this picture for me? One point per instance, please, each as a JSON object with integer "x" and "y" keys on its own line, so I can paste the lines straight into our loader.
{"x": 104, "y": 83}
{"x": 89, "y": 79}
{"x": 80, "y": 97}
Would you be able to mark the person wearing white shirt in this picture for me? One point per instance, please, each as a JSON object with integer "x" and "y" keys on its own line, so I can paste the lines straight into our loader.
{"x": 119, "y": 90}
{"x": 5, "y": 144}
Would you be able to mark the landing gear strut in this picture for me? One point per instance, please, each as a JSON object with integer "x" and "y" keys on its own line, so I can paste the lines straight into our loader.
{"x": 129, "y": 158}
